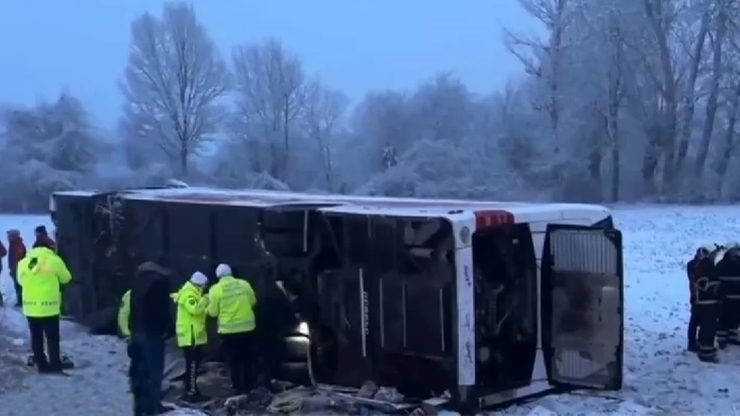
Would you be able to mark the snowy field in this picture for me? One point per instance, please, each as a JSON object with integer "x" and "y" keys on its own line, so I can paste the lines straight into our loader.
{"x": 661, "y": 377}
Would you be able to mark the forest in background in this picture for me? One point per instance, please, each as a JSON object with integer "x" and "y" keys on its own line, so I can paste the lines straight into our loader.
{"x": 619, "y": 101}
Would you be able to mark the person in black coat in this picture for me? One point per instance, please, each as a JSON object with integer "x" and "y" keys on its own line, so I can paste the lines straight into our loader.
{"x": 151, "y": 322}
{"x": 728, "y": 270}
{"x": 707, "y": 301}
{"x": 693, "y": 321}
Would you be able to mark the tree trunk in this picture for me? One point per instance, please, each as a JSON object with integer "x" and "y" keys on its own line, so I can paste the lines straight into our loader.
{"x": 328, "y": 168}
{"x": 594, "y": 165}
{"x": 556, "y": 43}
{"x": 706, "y": 136}
{"x": 616, "y": 173}
{"x": 723, "y": 163}
{"x": 666, "y": 132}
{"x": 690, "y": 100}
{"x": 615, "y": 97}
{"x": 183, "y": 162}
{"x": 613, "y": 131}
{"x": 650, "y": 160}
{"x": 286, "y": 142}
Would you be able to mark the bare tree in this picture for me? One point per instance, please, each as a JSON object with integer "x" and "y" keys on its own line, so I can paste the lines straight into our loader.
{"x": 172, "y": 83}
{"x": 718, "y": 41}
{"x": 271, "y": 96}
{"x": 545, "y": 61}
{"x": 689, "y": 99}
{"x": 324, "y": 109}
{"x": 730, "y": 139}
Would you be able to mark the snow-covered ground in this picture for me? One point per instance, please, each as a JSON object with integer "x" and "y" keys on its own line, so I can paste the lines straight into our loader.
{"x": 661, "y": 378}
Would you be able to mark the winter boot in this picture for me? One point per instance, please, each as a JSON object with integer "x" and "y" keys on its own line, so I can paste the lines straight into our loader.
{"x": 709, "y": 359}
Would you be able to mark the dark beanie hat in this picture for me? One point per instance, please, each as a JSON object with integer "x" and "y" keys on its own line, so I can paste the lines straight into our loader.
{"x": 41, "y": 229}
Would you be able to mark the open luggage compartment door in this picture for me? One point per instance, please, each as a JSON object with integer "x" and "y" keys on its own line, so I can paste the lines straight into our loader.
{"x": 582, "y": 297}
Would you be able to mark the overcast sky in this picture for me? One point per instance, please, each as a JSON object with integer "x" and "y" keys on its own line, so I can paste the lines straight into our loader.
{"x": 356, "y": 46}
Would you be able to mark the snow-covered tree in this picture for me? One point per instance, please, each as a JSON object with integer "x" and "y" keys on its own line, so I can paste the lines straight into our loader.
{"x": 172, "y": 84}
{"x": 322, "y": 121}
{"x": 270, "y": 98}
{"x": 52, "y": 146}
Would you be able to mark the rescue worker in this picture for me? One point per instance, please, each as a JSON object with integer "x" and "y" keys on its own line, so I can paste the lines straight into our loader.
{"x": 191, "y": 331}
{"x": 232, "y": 302}
{"x": 41, "y": 274}
{"x": 706, "y": 305}
{"x": 693, "y": 321}
{"x": 150, "y": 323}
{"x": 124, "y": 312}
{"x": 728, "y": 270}
{"x": 42, "y": 237}
{"x": 16, "y": 252}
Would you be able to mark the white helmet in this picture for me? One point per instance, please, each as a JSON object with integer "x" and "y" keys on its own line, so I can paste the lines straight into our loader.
{"x": 199, "y": 279}
{"x": 223, "y": 270}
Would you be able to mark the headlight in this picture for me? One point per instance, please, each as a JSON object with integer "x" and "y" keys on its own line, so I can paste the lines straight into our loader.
{"x": 303, "y": 329}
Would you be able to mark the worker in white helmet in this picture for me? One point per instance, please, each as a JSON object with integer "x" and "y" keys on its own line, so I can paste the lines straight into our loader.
{"x": 192, "y": 335}
{"x": 232, "y": 303}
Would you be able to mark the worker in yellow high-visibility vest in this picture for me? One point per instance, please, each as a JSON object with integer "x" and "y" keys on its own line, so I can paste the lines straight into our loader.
{"x": 41, "y": 274}
{"x": 232, "y": 302}
{"x": 191, "y": 330}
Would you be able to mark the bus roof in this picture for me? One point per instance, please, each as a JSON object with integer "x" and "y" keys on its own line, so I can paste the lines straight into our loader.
{"x": 362, "y": 205}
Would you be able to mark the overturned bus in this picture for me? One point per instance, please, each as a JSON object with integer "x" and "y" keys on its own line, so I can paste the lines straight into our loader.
{"x": 490, "y": 302}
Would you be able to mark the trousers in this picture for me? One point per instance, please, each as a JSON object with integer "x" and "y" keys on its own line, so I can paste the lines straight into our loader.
{"x": 45, "y": 339}
{"x": 193, "y": 356}
{"x": 693, "y": 327}
{"x": 17, "y": 287}
{"x": 707, "y": 316}
{"x": 239, "y": 349}
{"x": 729, "y": 319}
{"x": 146, "y": 368}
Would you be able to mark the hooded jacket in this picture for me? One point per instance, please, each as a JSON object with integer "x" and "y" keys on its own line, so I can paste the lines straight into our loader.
{"x": 42, "y": 274}
{"x": 151, "y": 305}
{"x": 191, "y": 315}
{"x": 16, "y": 253}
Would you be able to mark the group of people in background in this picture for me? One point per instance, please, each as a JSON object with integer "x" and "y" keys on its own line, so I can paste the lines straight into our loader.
{"x": 144, "y": 318}
{"x": 16, "y": 251}
{"x": 714, "y": 285}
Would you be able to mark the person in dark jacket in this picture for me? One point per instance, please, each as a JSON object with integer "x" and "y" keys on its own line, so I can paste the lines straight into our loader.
{"x": 16, "y": 253}
{"x": 43, "y": 239}
{"x": 707, "y": 302}
{"x": 693, "y": 321}
{"x": 151, "y": 323}
{"x": 3, "y": 252}
{"x": 728, "y": 270}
